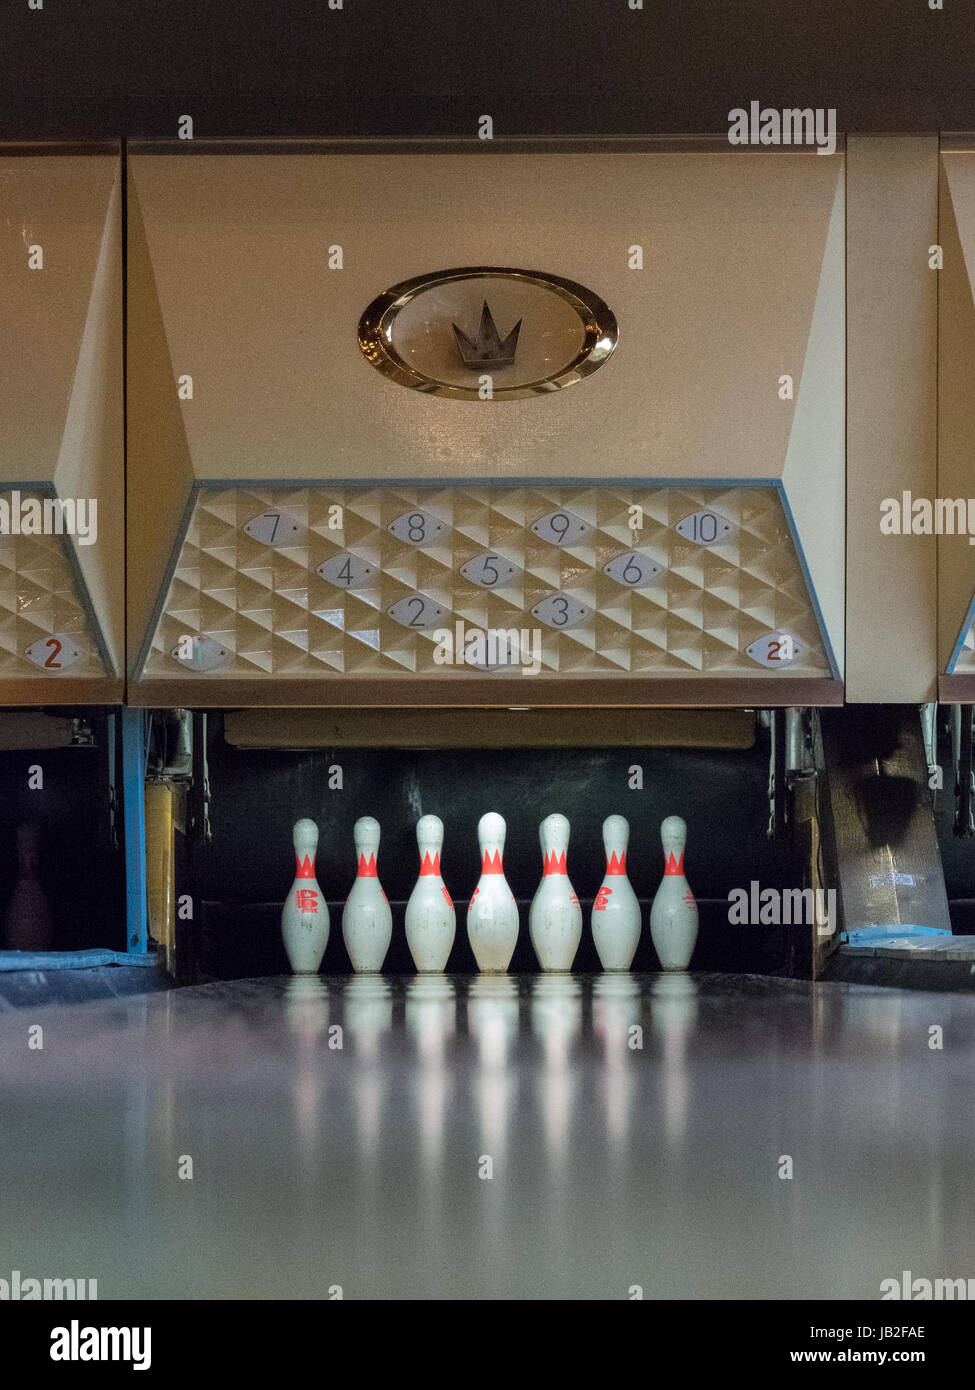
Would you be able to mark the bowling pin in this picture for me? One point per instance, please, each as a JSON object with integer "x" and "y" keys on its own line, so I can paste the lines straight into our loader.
{"x": 304, "y": 919}
{"x": 27, "y": 923}
{"x": 430, "y": 917}
{"x": 616, "y": 919}
{"x": 555, "y": 918}
{"x": 367, "y": 922}
{"x": 492, "y": 916}
{"x": 673, "y": 916}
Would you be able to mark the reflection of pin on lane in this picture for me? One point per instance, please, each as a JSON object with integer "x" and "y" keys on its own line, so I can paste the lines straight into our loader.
{"x": 304, "y": 919}
{"x": 27, "y": 923}
{"x": 555, "y": 918}
{"x": 367, "y": 922}
{"x": 430, "y": 917}
{"x": 616, "y": 920}
{"x": 673, "y": 916}
{"x": 492, "y": 917}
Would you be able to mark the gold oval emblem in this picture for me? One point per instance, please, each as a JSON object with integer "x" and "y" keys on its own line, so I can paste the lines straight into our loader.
{"x": 487, "y": 333}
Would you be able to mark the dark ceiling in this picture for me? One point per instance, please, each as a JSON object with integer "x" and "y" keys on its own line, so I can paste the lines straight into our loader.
{"x": 415, "y": 67}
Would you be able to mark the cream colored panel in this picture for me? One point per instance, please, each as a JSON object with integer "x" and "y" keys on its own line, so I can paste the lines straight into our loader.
{"x": 956, "y": 405}
{"x": 891, "y": 427}
{"x": 815, "y": 466}
{"x": 90, "y": 461}
{"x": 733, "y": 248}
{"x": 60, "y": 204}
{"x": 253, "y": 593}
{"x": 61, "y": 411}
{"x": 159, "y": 472}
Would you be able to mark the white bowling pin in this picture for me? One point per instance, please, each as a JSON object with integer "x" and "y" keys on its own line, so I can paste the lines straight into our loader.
{"x": 492, "y": 917}
{"x": 616, "y": 919}
{"x": 304, "y": 919}
{"x": 430, "y": 917}
{"x": 367, "y": 922}
{"x": 555, "y": 918}
{"x": 673, "y": 916}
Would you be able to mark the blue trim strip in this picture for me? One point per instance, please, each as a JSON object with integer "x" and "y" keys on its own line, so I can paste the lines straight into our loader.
{"x": 886, "y": 934}
{"x": 91, "y": 959}
{"x": 960, "y": 644}
{"x": 134, "y": 809}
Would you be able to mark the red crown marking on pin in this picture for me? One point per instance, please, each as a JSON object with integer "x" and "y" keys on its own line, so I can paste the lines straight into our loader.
{"x": 553, "y": 863}
{"x": 602, "y": 898}
{"x": 674, "y": 865}
{"x": 430, "y": 866}
{"x": 306, "y": 866}
{"x": 367, "y": 867}
{"x": 491, "y": 864}
{"x": 616, "y": 863}
{"x": 443, "y": 889}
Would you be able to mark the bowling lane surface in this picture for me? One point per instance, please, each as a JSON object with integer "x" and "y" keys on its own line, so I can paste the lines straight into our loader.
{"x": 342, "y": 1130}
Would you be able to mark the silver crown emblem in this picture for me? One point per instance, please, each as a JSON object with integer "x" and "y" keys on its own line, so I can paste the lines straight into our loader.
{"x": 487, "y": 349}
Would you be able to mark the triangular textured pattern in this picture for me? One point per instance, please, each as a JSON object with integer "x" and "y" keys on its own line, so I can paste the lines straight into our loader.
{"x": 38, "y": 598}
{"x": 966, "y": 655}
{"x": 277, "y": 617}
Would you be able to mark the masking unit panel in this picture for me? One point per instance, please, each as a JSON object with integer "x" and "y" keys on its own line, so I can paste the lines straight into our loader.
{"x": 382, "y": 406}
{"x": 61, "y": 441}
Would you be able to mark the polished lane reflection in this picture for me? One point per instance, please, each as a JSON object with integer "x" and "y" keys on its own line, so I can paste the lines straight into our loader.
{"x": 491, "y": 1137}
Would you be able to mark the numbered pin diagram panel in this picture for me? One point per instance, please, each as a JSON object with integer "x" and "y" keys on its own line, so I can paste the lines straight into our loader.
{"x": 448, "y": 583}
{"x": 46, "y": 627}
{"x": 441, "y": 453}
{"x": 61, "y": 428}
